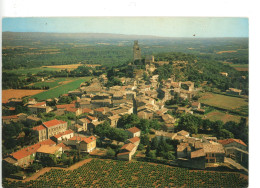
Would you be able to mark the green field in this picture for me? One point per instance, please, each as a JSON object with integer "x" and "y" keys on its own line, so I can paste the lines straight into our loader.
{"x": 109, "y": 173}
{"x": 31, "y": 71}
{"x": 57, "y": 91}
{"x": 225, "y": 102}
{"x": 53, "y": 82}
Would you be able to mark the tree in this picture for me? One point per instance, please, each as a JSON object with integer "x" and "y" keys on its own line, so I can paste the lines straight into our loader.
{"x": 110, "y": 152}
{"x": 155, "y": 143}
{"x": 145, "y": 140}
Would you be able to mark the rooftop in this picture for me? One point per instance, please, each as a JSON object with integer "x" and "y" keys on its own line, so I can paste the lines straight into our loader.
{"x": 53, "y": 122}
{"x": 128, "y": 147}
{"x": 48, "y": 149}
{"x": 133, "y": 130}
{"x": 231, "y": 140}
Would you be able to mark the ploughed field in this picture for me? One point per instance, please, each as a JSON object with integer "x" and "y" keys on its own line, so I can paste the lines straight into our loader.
{"x": 109, "y": 173}
{"x": 225, "y": 117}
{"x": 18, "y": 93}
{"x": 225, "y": 102}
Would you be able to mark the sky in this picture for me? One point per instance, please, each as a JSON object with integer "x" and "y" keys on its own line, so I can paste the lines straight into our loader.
{"x": 157, "y": 26}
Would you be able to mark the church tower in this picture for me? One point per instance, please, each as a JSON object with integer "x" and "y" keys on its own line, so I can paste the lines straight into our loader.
{"x": 137, "y": 51}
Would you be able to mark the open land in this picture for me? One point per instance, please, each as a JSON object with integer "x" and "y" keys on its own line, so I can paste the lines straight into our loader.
{"x": 223, "y": 101}
{"x": 62, "y": 89}
{"x": 225, "y": 117}
{"x": 18, "y": 93}
{"x": 54, "y": 82}
{"x": 110, "y": 173}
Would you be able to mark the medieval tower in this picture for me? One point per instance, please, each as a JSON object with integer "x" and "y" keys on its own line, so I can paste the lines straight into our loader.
{"x": 137, "y": 51}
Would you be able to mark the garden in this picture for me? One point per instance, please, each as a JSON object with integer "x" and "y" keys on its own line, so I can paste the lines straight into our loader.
{"x": 110, "y": 173}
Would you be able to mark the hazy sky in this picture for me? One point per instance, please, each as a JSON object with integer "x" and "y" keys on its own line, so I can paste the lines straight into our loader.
{"x": 158, "y": 26}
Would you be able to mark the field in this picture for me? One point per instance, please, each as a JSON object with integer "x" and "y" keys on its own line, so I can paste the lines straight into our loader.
{"x": 225, "y": 117}
{"x": 223, "y": 101}
{"x": 69, "y": 67}
{"x": 108, "y": 173}
{"x": 53, "y": 82}
{"x": 230, "y": 51}
{"x": 18, "y": 93}
{"x": 62, "y": 89}
{"x": 32, "y": 70}
{"x": 240, "y": 67}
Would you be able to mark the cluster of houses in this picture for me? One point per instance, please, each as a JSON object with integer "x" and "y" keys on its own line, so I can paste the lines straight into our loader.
{"x": 95, "y": 104}
{"x": 54, "y": 139}
{"x": 201, "y": 152}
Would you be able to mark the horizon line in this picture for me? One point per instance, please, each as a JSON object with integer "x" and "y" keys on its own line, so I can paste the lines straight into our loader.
{"x": 119, "y": 34}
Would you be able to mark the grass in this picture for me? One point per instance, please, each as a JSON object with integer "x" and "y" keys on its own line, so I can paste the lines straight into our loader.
{"x": 52, "y": 83}
{"x": 224, "y": 102}
{"x": 225, "y": 117}
{"x": 57, "y": 91}
{"x": 32, "y": 70}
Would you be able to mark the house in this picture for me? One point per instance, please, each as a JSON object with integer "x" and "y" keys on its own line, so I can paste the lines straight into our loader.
{"x": 231, "y": 142}
{"x": 84, "y": 123}
{"x": 63, "y": 107}
{"x": 234, "y": 91}
{"x": 84, "y": 144}
{"x": 195, "y": 105}
{"x": 42, "y": 132}
{"x": 135, "y": 140}
{"x": 183, "y": 133}
{"x": 236, "y": 149}
{"x": 9, "y": 119}
{"x": 76, "y": 111}
{"x": 184, "y": 110}
{"x": 127, "y": 151}
{"x": 214, "y": 152}
{"x": 224, "y": 74}
{"x": 47, "y": 150}
{"x": 145, "y": 114}
{"x": 39, "y": 108}
{"x": 133, "y": 132}
{"x": 63, "y": 136}
{"x": 55, "y": 127}
{"x": 101, "y": 112}
{"x": 33, "y": 119}
{"x": 113, "y": 120}
{"x": 24, "y": 157}
{"x": 101, "y": 103}
{"x": 183, "y": 150}
{"x": 87, "y": 110}
{"x": 165, "y": 135}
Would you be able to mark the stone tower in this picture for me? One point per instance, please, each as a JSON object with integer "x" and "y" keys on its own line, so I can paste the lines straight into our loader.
{"x": 137, "y": 51}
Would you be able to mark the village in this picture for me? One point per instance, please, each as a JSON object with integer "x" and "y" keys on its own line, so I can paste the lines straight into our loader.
{"x": 95, "y": 105}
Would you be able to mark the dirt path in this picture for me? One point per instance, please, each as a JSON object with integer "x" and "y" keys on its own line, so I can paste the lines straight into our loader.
{"x": 47, "y": 169}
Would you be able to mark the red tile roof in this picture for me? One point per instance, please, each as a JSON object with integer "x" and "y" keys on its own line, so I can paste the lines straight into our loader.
{"x": 134, "y": 140}
{"x": 125, "y": 153}
{"x": 10, "y": 117}
{"x": 65, "y": 106}
{"x": 91, "y": 118}
{"x": 38, "y": 128}
{"x": 86, "y": 110}
{"x": 128, "y": 147}
{"x": 12, "y": 108}
{"x": 64, "y": 133}
{"x": 231, "y": 140}
{"x": 31, "y": 149}
{"x": 133, "y": 130}
{"x": 72, "y": 109}
{"x": 40, "y": 104}
{"x": 53, "y": 122}
{"x": 84, "y": 139}
{"x": 100, "y": 109}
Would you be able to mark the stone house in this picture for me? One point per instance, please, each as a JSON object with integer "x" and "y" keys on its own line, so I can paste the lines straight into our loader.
{"x": 127, "y": 151}
{"x": 46, "y": 151}
{"x": 133, "y": 132}
{"x": 55, "y": 127}
{"x": 113, "y": 120}
{"x": 84, "y": 144}
{"x": 25, "y": 156}
{"x": 64, "y": 136}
